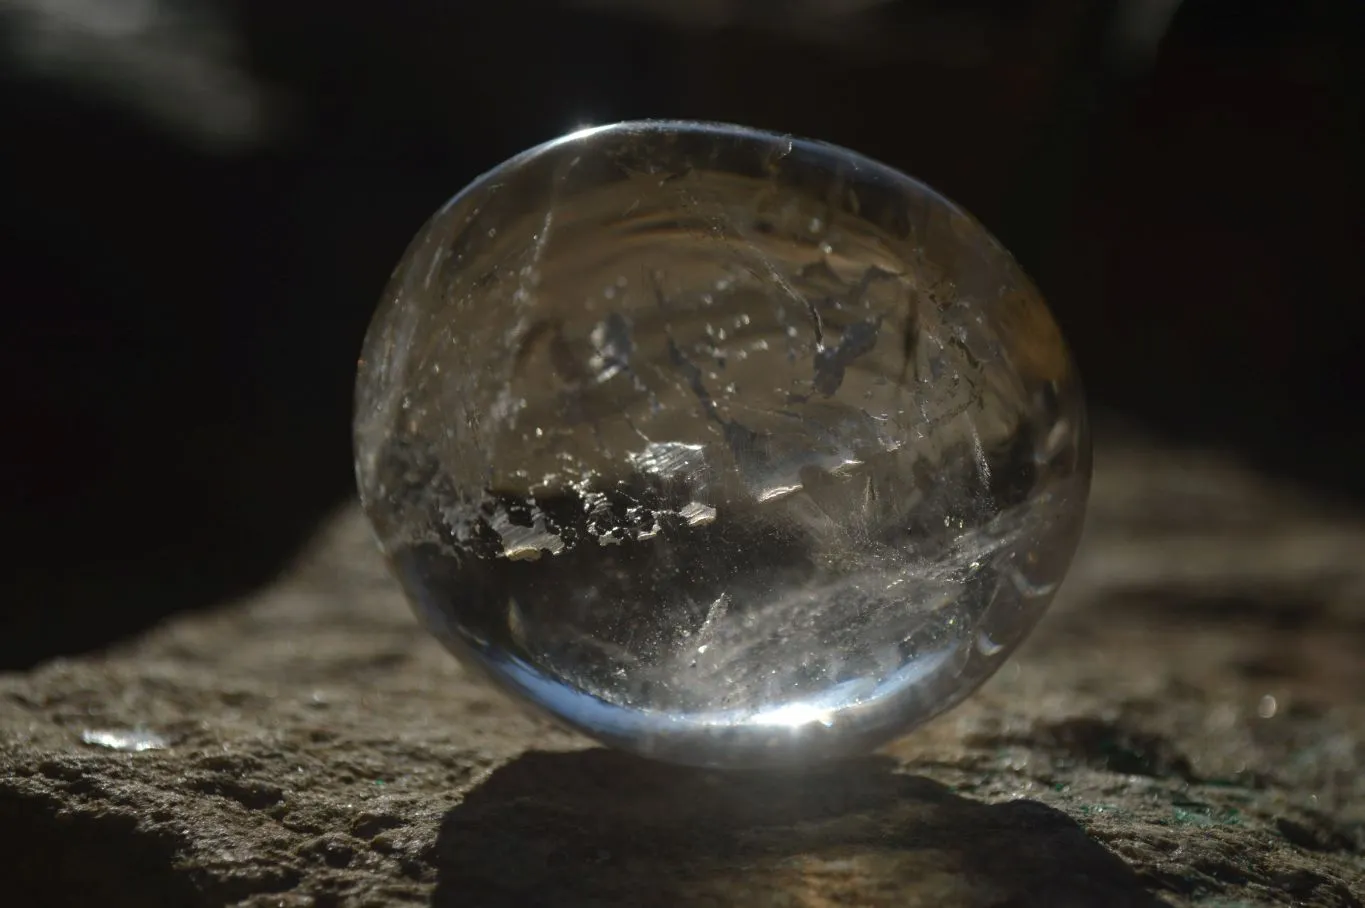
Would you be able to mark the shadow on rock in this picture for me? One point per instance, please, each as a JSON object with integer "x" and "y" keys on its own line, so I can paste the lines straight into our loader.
{"x": 600, "y": 828}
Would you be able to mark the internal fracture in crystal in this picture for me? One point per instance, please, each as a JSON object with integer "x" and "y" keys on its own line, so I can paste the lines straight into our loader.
{"x": 719, "y": 446}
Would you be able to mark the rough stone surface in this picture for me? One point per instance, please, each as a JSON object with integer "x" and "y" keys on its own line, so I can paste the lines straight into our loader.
{"x": 1186, "y": 728}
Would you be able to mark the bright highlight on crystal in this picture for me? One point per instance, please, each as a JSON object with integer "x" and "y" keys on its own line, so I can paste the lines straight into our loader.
{"x": 719, "y": 446}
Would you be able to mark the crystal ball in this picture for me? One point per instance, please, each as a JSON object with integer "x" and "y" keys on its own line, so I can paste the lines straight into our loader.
{"x": 719, "y": 446}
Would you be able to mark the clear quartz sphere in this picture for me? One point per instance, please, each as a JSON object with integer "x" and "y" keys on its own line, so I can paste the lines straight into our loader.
{"x": 720, "y": 446}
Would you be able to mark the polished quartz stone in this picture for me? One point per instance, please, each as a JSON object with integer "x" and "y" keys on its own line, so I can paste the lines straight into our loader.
{"x": 719, "y": 446}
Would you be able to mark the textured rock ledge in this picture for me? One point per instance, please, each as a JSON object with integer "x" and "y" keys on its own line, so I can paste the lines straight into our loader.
{"x": 1186, "y": 728}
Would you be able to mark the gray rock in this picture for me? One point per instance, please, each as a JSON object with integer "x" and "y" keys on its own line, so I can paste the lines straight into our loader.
{"x": 1186, "y": 728}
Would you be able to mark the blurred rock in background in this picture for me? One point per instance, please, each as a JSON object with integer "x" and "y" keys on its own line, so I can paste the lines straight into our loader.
{"x": 203, "y": 200}
{"x": 177, "y": 63}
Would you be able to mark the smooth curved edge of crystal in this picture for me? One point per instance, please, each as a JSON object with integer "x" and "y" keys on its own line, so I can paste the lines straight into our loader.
{"x": 799, "y": 733}
{"x": 861, "y": 164}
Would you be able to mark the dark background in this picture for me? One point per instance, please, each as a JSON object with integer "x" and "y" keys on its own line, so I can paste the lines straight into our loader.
{"x": 201, "y": 204}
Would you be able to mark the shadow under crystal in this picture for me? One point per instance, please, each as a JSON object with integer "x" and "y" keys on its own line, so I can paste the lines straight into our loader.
{"x": 598, "y": 827}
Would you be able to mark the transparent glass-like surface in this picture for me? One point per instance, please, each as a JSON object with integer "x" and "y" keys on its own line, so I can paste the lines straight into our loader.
{"x": 720, "y": 446}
